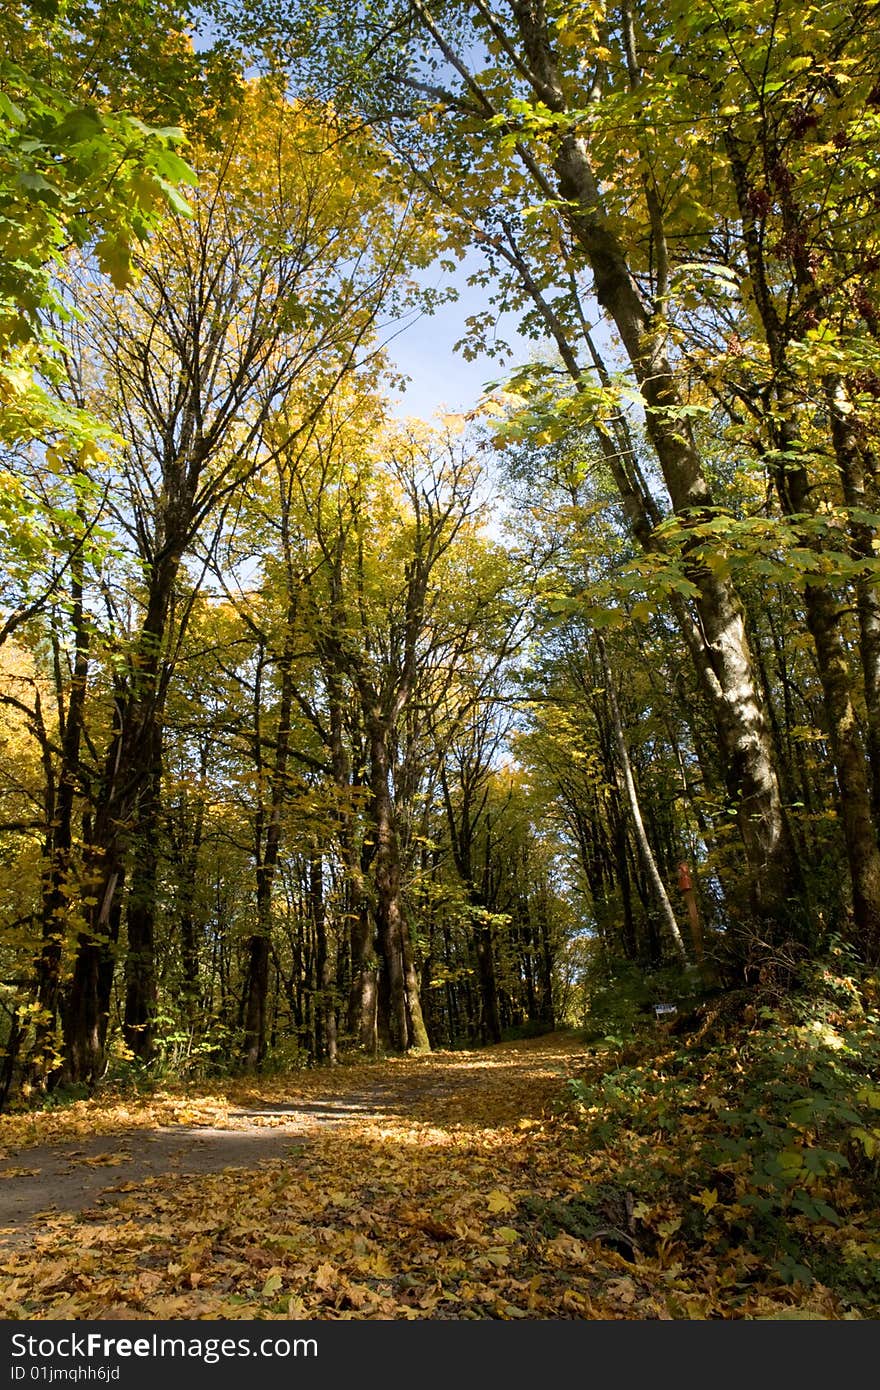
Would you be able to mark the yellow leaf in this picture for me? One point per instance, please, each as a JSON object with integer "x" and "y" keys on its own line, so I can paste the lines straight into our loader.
{"x": 622, "y": 1289}
{"x": 326, "y": 1278}
{"x": 707, "y": 1198}
{"x": 454, "y": 423}
{"x": 668, "y": 1228}
{"x": 498, "y": 1202}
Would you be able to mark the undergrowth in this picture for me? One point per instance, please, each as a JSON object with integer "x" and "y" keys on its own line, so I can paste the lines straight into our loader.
{"x": 748, "y": 1150}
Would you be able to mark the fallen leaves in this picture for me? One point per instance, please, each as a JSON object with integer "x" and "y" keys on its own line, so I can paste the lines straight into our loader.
{"x": 447, "y": 1199}
{"x": 390, "y": 1214}
{"x": 84, "y": 1118}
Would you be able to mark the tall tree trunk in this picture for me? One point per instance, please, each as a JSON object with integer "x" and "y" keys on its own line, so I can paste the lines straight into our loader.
{"x": 140, "y": 964}
{"x": 190, "y": 983}
{"x": 627, "y": 926}
{"x": 646, "y": 854}
{"x": 859, "y": 829}
{"x": 87, "y": 1009}
{"x": 326, "y": 1014}
{"x": 548, "y": 1011}
{"x": 256, "y": 993}
{"x": 823, "y": 621}
{"x": 490, "y": 1019}
{"x": 789, "y": 469}
{"x": 57, "y": 886}
{"x": 266, "y": 850}
{"x": 129, "y": 770}
{"x": 363, "y": 996}
{"x": 417, "y": 1029}
{"x": 461, "y": 825}
{"x": 406, "y": 1025}
{"x": 858, "y": 474}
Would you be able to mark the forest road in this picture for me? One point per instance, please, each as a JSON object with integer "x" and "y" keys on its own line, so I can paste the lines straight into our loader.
{"x": 81, "y": 1173}
{"x": 76, "y": 1175}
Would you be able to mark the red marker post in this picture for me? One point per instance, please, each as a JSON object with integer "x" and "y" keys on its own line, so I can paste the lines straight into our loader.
{"x": 686, "y": 884}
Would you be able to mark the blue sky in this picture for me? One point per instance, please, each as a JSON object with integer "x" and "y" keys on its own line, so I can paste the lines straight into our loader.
{"x": 441, "y": 380}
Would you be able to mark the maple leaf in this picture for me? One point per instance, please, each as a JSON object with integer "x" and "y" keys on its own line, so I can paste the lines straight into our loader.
{"x": 499, "y": 1202}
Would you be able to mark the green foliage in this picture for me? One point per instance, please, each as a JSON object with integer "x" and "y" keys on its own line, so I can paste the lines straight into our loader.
{"x": 182, "y": 1052}
{"x": 761, "y": 1144}
{"x": 78, "y": 172}
{"x": 620, "y": 996}
{"x": 73, "y": 176}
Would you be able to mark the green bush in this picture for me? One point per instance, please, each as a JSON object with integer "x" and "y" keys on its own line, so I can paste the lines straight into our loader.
{"x": 758, "y": 1142}
{"x": 621, "y": 999}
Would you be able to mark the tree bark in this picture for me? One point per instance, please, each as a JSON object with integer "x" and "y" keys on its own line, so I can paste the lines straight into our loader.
{"x": 129, "y": 793}
{"x": 267, "y": 848}
{"x": 406, "y": 1025}
{"x": 461, "y": 823}
{"x": 796, "y": 498}
{"x": 140, "y": 916}
{"x": 86, "y": 1012}
{"x": 325, "y": 1028}
{"x": 857, "y": 474}
{"x": 43, "y": 1060}
{"x": 646, "y": 854}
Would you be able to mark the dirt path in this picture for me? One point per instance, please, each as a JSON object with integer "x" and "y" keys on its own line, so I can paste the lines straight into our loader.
{"x": 85, "y": 1173}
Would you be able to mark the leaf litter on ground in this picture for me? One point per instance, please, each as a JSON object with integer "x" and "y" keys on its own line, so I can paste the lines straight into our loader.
{"x": 446, "y": 1187}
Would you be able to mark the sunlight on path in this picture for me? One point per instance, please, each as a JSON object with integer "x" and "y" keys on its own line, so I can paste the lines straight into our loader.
{"x": 451, "y": 1186}
{"x": 396, "y": 1203}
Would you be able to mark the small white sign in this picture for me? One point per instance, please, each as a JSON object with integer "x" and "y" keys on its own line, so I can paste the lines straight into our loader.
{"x": 664, "y": 1010}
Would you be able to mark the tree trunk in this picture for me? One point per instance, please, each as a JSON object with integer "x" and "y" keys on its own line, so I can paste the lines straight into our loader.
{"x": 851, "y": 455}
{"x": 140, "y": 964}
{"x": 646, "y": 854}
{"x": 405, "y": 1023}
{"x": 628, "y": 926}
{"x": 461, "y": 833}
{"x": 43, "y": 1059}
{"x": 325, "y": 1028}
{"x": 267, "y": 847}
{"x": 860, "y": 834}
{"x": 797, "y": 499}
{"x": 363, "y": 996}
{"x": 129, "y": 773}
{"x": 418, "y": 1032}
{"x": 823, "y": 621}
{"x": 490, "y": 1020}
{"x": 190, "y": 984}
{"x": 256, "y": 993}
{"x": 86, "y": 1013}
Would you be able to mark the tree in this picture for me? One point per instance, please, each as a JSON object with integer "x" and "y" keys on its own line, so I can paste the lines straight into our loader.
{"x": 277, "y": 277}
{"x": 519, "y": 114}
{"x": 384, "y": 624}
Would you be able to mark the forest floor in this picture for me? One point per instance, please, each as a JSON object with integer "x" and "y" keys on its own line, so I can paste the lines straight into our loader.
{"x": 458, "y": 1185}
{"x": 241, "y": 1128}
